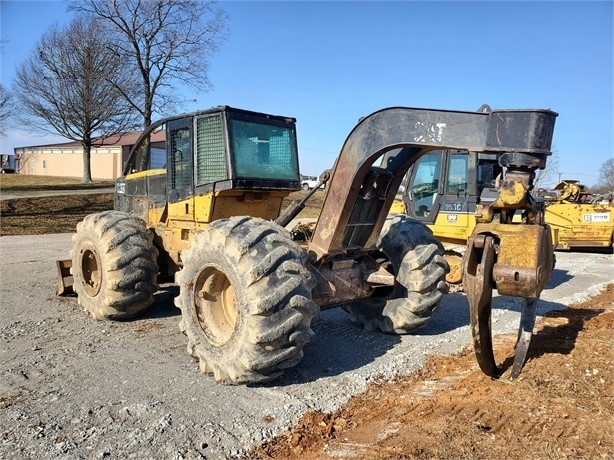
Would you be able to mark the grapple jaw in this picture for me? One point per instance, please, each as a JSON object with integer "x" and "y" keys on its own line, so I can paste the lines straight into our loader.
{"x": 515, "y": 259}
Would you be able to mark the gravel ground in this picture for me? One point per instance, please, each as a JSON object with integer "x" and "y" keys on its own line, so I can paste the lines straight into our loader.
{"x": 72, "y": 387}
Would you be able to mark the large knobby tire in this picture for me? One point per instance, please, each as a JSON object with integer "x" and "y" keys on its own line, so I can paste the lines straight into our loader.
{"x": 245, "y": 300}
{"x": 416, "y": 259}
{"x": 113, "y": 265}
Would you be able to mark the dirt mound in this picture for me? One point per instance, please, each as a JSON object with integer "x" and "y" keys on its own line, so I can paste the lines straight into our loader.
{"x": 562, "y": 406}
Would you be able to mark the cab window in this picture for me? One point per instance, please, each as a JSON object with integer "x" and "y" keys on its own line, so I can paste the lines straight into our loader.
{"x": 488, "y": 171}
{"x": 263, "y": 151}
{"x": 457, "y": 175}
{"x": 426, "y": 183}
{"x": 181, "y": 154}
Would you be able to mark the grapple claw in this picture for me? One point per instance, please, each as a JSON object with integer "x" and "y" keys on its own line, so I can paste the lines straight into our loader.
{"x": 525, "y": 332}
{"x": 517, "y": 260}
{"x": 478, "y": 284}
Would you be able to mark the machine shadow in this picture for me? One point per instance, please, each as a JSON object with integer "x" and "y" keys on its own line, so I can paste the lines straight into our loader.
{"x": 452, "y": 313}
{"x": 588, "y": 250}
{"x": 338, "y": 346}
{"x": 557, "y": 339}
{"x": 558, "y": 277}
{"x": 164, "y": 304}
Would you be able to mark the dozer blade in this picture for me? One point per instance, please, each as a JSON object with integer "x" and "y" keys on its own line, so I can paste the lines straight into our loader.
{"x": 65, "y": 279}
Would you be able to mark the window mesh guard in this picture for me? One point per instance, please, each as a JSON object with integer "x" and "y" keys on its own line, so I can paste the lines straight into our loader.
{"x": 210, "y": 153}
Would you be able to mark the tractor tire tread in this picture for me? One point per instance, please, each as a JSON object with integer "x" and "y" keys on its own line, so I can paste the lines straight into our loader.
{"x": 420, "y": 279}
{"x": 128, "y": 265}
{"x": 273, "y": 298}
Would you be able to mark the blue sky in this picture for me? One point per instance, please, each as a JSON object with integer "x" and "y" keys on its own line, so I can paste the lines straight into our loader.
{"x": 329, "y": 63}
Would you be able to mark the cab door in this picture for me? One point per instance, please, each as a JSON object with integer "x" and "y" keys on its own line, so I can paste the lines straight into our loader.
{"x": 441, "y": 193}
{"x": 424, "y": 187}
{"x": 180, "y": 169}
{"x": 456, "y": 187}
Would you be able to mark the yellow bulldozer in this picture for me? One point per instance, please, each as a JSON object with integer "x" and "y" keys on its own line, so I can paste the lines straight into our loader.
{"x": 204, "y": 208}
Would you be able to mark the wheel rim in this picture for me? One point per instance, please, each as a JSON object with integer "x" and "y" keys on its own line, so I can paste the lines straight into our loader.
{"x": 91, "y": 270}
{"x": 215, "y": 306}
{"x": 455, "y": 274}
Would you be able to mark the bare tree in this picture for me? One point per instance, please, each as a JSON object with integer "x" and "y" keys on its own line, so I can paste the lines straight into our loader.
{"x": 606, "y": 178}
{"x": 65, "y": 87}
{"x": 7, "y": 109}
{"x": 167, "y": 41}
{"x": 7, "y": 105}
{"x": 546, "y": 177}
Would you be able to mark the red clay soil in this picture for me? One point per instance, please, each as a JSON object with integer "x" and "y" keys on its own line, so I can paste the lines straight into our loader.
{"x": 561, "y": 407}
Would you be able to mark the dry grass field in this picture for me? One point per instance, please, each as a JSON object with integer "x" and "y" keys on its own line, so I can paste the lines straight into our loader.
{"x": 13, "y": 182}
{"x": 61, "y": 213}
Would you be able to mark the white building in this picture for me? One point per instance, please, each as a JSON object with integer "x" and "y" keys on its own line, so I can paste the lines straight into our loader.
{"x": 108, "y": 157}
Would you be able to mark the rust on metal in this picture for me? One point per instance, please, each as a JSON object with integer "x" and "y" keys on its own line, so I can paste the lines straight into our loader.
{"x": 525, "y": 332}
{"x": 478, "y": 283}
{"x": 382, "y": 147}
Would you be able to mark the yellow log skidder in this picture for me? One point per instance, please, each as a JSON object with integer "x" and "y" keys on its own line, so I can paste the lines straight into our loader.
{"x": 204, "y": 207}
